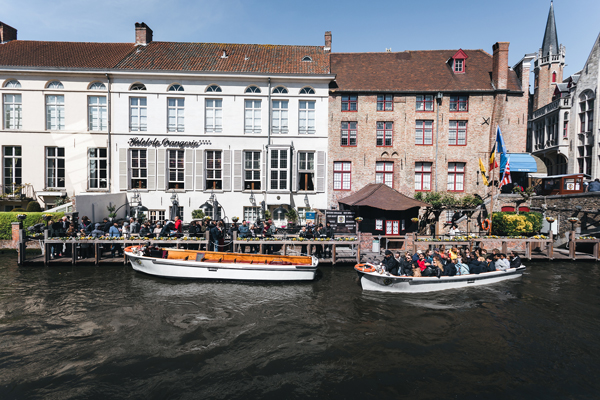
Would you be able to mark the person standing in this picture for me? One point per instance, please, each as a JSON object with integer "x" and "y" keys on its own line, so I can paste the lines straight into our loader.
{"x": 244, "y": 233}
{"x": 115, "y": 232}
{"x": 134, "y": 226}
{"x": 215, "y": 235}
{"x": 329, "y": 234}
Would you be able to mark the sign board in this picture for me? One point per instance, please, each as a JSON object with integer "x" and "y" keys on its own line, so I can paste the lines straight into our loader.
{"x": 341, "y": 221}
{"x": 310, "y": 216}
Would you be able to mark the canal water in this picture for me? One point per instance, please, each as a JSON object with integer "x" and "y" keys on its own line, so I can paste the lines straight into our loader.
{"x": 112, "y": 333}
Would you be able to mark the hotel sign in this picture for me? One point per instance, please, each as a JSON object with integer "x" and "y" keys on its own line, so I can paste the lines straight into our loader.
{"x": 137, "y": 142}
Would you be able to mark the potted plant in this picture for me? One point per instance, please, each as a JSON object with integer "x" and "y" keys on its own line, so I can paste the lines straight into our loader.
{"x": 415, "y": 220}
{"x": 550, "y": 219}
{"x": 358, "y": 219}
{"x": 111, "y": 212}
{"x": 21, "y": 217}
{"x": 291, "y": 216}
{"x": 235, "y": 219}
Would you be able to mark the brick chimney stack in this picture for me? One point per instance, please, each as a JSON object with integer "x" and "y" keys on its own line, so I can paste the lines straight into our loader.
{"x": 328, "y": 42}
{"x": 7, "y": 33}
{"x": 143, "y": 33}
{"x": 500, "y": 65}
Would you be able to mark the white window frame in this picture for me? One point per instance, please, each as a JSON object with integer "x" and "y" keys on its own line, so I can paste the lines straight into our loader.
{"x": 12, "y": 168}
{"x": 138, "y": 114}
{"x": 13, "y": 111}
{"x": 306, "y": 117}
{"x": 456, "y": 176}
{"x": 252, "y": 116}
{"x": 139, "y": 170}
{"x": 53, "y": 172}
{"x": 155, "y": 216}
{"x": 55, "y": 112}
{"x": 342, "y": 175}
{"x": 252, "y": 171}
{"x": 384, "y": 172}
{"x": 176, "y": 169}
{"x": 279, "y": 117}
{"x": 306, "y": 165}
{"x": 251, "y": 214}
{"x": 97, "y": 114}
{"x": 214, "y": 170}
{"x": 279, "y": 169}
{"x": 175, "y": 114}
{"x": 214, "y": 115}
{"x": 423, "y": 171}
{"x": 97, "y": 168}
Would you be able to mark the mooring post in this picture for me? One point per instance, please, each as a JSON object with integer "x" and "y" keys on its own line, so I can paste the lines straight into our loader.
{"x": 572, "y": 246}
{"x": 22, "y": 245}
{"x": 96, "y": 253}
{"x": 333, "y": 255}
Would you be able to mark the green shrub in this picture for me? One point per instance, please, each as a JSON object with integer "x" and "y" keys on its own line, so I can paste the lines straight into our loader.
{"x": 6, "y": 218}
{"x": 33, "y": 206}
{"x": 18, "y": 209}
{"x": 511, "y": 224}
{"x": 197, "y": 214}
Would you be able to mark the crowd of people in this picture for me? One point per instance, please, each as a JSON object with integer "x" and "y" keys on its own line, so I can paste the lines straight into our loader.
{"x": 220, "y": 235}
{"x": 441, "y": 262}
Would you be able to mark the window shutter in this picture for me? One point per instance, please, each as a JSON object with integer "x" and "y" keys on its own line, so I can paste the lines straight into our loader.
{"x": 189, "y": 169}
{"x": 123, "y": 169}
{"x": 199, "y": 169}
{"x": 226, "y": 170}
{"x": 320, "y": 171}
{"x": 151, "y": 169}
{"x": 263, "y": 183}
{"x": 238, "y": 182}
{"x": 295, "y": 156}
{"x": 160, "y": 169}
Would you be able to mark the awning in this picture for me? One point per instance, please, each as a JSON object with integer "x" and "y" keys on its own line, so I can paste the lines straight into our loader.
{"x": 519, "y": 162}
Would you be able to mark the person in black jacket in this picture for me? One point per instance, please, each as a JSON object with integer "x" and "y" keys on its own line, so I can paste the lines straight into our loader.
{"x": 477, "y": 266}
{"x": 389, "y": 263}
{"x": 491, "y": 265}
{"x": 107, "y": 225}
{"x": 515, "y": 260}
{"x": 329, "y": 234}
{"x": 406, "y": 265}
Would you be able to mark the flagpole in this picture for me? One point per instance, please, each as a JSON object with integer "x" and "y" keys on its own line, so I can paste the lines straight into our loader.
{"x": 492, "y": 201}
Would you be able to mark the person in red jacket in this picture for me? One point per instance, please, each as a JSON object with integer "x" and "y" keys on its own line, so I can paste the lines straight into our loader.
{"x": 178, "y": 226}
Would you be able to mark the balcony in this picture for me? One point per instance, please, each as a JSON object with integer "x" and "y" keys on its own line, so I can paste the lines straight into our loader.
{"x": 17, "y": 192}
{"x": 563, "y": 102}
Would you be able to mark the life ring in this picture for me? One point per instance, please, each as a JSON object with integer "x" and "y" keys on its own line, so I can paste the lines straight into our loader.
{"x": 364, "y": 267}
{"x": 485, "y": 224}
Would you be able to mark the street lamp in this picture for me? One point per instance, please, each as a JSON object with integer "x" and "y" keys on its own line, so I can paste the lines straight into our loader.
{"x": 252, "y": 198}
{"x": 306, "y": 201}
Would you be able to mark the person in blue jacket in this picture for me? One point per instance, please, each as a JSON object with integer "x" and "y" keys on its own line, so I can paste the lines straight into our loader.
{"x": 115, "y": 248}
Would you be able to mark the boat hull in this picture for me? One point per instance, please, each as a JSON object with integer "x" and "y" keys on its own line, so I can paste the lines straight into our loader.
{"x": 184, "y": 269}
{"x": 405, "y": 284}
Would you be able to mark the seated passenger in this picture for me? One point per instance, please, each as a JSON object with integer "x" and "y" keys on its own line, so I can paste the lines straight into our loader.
{"x": 389, "y": 263}
{"x": 406, "y": 267}
{"x": 490, "y": 264}
{"x": 478, "y": 266}
{"x": 515, "y": 260}
{"x": 502, "y": 263}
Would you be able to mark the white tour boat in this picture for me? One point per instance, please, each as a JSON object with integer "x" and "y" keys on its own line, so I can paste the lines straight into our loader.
{"x": 373, "y": 278}
{"x": 197, "y": 264}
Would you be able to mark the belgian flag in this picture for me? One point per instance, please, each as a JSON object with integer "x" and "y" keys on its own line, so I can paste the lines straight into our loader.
{"x": 493, "y": 162}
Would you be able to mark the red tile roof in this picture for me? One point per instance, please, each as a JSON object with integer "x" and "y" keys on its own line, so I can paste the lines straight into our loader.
{"x": 414, "y": 71}
{"x": 25, "y": 53}
{"x": 383, "y": 197}
{"x": 167, "y": 56}
{"x": 257, "y": 58}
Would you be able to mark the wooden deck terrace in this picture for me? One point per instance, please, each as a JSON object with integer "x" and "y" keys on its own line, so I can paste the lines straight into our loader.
{"x": 341, "y": 251}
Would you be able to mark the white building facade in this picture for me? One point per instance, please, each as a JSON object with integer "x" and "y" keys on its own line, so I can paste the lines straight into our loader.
{"x": 232, "y": 129}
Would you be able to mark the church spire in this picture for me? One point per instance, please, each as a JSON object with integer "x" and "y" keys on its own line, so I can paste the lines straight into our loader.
{"x": 550, "y": 36}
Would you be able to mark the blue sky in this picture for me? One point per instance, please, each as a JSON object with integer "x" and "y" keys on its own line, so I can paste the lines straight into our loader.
{"x": 356, "y": 25}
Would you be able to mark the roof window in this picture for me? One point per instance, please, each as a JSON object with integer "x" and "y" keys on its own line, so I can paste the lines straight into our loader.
{"x": 458, "y": 62}
{"x": 306, "y": 58}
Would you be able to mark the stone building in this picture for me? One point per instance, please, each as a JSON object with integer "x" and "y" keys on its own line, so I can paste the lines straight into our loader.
{"x": 548, "y": 136}
{"x": 233, "y": 128}
{"x": 420, "y": 120}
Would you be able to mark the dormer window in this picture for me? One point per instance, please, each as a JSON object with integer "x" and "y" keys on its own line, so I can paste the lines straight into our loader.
{"x": 307, "y": 59}
{"x": 458, "y": 62}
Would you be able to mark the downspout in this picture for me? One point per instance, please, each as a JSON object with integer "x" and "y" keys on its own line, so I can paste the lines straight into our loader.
{"x": 108, "y": 142}
{"x": 269, "y": 119}
{"x": 264, "y": 202}
{"x": 437, "y": 134}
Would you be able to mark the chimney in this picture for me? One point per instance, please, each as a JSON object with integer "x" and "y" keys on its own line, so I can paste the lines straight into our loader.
{"x": 7, "y": 33}
{"x": 328, "y": 42}
{"x": 500, "y": 65}
{"x": 143, "y": 33}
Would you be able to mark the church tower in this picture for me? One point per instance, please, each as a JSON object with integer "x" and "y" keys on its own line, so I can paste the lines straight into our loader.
{"x": 549, "y": 64}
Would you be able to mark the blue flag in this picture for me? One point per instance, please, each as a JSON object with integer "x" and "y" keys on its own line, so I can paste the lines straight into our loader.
{"x": 501, "y": 144}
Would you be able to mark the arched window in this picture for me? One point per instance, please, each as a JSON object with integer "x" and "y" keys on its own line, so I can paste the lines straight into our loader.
{"x": 138, "y": 86}
{"x": 554, "y": 77}
{"x": 214, "y": 88}
{"x": 306, "y": 58}
{"x": 307, "y": 90}
{"x": 175, "y": 88}
{"x": 13, "y": 83}
{"x": 252, "y": 89}
{"x": 280, "y": 90}
{"x": 55, "y": 85}
{"x": 97, "y": 86}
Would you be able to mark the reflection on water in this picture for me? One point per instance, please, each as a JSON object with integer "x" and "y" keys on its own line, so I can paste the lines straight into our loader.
{"x": 110, "y": 332}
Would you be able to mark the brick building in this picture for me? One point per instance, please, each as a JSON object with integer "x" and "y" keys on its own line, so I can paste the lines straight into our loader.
{"x": 419, "y": 120}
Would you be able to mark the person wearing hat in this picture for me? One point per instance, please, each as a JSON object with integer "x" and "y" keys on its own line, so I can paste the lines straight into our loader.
{"x": 389, "y": 263}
